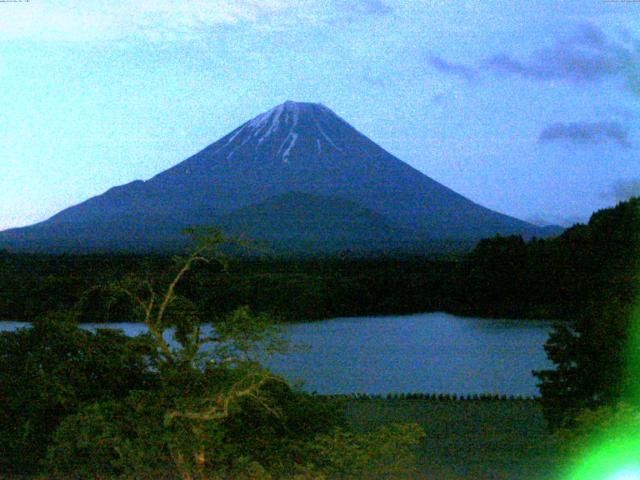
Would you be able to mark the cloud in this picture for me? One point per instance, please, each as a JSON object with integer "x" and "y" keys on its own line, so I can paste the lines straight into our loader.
{"x": 622, "y": 113}
{"x": 165, "y": 20}
{"x": 457, "y": 69}
{"x": 96, "y": 20}
{"x": 624, "y": 189}
{"x": 585, "y": 56}
{"x": 586, "y": 132}
{"x": 376, "y": 7}
{"x": 364, "y": 7}
{"x": 344, "y": 12}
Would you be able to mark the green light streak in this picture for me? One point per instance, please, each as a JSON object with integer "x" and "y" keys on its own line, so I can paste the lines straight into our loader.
{"x": 630, "y": 473}
{"x": 616, "y": 456}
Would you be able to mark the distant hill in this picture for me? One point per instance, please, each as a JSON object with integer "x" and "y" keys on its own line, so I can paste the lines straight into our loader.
{"x": 300, "y": 222}
{"x": 297, "y": 176}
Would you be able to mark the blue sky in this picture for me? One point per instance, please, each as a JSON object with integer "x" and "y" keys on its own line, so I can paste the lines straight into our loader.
{"x": 531, "y": 108}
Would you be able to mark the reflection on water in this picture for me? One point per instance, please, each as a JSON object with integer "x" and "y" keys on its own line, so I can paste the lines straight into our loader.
{"x": 429, "y": 353}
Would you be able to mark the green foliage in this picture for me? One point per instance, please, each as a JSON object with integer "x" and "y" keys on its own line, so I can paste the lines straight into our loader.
{"x": 111, "y": 438}
{"x": 589, "y": 363}
{"x": 502, "y": 277}
{"x": 388, "y": 452}
{"x": 49, "y": 371}
{"x": 291, "y": 290}
{"x": 100, "y": 304}
{"x": 214, "y": 407}
{"x": 132, "y": 438}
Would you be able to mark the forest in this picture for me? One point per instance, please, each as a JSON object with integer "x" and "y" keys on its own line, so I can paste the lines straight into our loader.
{"x": 501, "y": 277}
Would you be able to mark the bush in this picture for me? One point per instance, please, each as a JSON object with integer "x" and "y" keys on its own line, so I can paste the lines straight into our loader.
{"x": 131, "y": 437}
{"x": 388, "y": 452}
{"x": 49, "y": 371}
{"x": 111, "y": 438}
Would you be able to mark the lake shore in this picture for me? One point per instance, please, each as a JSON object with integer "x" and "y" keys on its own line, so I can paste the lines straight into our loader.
{"x": 433, "y": 353}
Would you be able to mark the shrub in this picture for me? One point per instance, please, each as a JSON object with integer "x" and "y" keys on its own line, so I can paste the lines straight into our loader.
{"x": 388, "y": 452}
{"x": 49, "y": 371}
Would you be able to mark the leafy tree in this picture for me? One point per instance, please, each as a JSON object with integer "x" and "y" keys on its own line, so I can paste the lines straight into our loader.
{"x": 214, "y": 403}
{"x": 209, "y": 374}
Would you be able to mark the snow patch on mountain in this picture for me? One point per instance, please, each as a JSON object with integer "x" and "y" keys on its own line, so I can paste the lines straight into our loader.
{"x": 326, "y": 136}
{"x": 285, "y": 155}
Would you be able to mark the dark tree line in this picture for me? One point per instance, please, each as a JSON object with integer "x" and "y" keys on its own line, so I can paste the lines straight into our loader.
{"x": 595, "y": 356}
{"x": 501, "y": 277}
{"x": 587, "y": 277}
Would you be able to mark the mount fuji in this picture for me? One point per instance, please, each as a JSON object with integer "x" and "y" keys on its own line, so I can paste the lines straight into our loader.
{"x": 298, "y": 177}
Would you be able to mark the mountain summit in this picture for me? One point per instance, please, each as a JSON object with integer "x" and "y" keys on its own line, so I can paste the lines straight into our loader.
{"x": 297, "y": 174}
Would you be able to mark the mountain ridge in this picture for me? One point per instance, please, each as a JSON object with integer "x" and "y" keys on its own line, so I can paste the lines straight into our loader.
{"x": 293, "y": 147}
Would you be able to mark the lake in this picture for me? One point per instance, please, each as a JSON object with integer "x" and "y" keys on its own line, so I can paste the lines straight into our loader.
{"x": 427, "y": 353}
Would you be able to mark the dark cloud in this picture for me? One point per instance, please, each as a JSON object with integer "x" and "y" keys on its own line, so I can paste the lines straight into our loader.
{"x": 585, "y": 56}
{"x": 624, "y": 189}
{"x": 505, "y": 63}
{"x": 586, "y": 132}
{"x": 459, "y": 70}
{"x": 590, "y": 35}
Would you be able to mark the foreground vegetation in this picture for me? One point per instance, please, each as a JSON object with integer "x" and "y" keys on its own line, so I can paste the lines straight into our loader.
{"x": 79, "y": 404}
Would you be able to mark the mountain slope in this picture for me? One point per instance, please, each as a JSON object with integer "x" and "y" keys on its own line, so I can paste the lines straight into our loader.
{"x": 295, "y": 147}
{"x": 301, "y": 222}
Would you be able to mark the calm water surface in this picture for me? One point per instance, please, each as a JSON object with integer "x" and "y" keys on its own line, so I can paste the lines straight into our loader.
{"x": 430, "y": 353}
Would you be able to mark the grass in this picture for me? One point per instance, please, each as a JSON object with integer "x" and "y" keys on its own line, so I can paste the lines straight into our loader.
{"x": 469, "y": 439}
